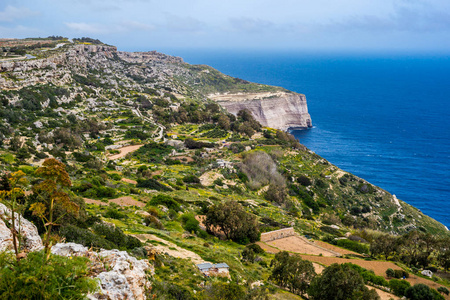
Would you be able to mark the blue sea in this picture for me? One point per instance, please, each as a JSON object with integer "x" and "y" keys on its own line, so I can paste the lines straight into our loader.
{"x": 385, "y": 118}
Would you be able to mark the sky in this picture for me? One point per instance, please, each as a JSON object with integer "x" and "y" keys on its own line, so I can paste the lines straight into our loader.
{"x": 309, "y": 25}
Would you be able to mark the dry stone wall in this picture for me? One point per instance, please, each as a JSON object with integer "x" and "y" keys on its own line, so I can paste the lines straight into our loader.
{"x": 277, "y": 234}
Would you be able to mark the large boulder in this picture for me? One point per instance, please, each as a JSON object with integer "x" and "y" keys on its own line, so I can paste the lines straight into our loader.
{"x": 121, "y": 276}
{"x": 31, "y": 239}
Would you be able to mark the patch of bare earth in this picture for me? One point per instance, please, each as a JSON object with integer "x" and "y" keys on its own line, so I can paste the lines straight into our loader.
{"x": 299, "y": 245}
{"x": 124, "y": 151}
{"x": 170, "y": 248}
{"x": 379, "y": 267}
{"x": 335, "y": 248}
{"x": 122, "y": 201}
{"x": 129, "y": 180}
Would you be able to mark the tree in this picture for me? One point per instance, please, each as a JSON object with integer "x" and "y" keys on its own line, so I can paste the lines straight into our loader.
{"x": 292, "y": 272}
{"x": 224, "y": 291}
{"x": 384, "y": 244}
{"x": 224, "y": 122}
{"x": 340, "y": 282}
{"x": 276, "y": 193}
{"x": 11, "y": 192}
{"x": 422, "y": 292}
{"x": 417, "y": 247}
{"x": 51, "y": 192}
{"x": 231, "y": 218}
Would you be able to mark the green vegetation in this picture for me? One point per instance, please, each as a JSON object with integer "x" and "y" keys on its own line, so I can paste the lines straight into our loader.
{"x": 204, "y": 183}
{"x": 39, "y": 277}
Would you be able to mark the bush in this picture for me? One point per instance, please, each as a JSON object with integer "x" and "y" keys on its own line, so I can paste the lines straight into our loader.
{"x": 191, "y": 179}
{"x": 116, "y": 236}
{"x": 152, "y": 184}
{"x": 354, "y": 246}
{"x": 443, "y": 290}
{"x": 422, "y": 292}
{"x": 399, "y": 287}
{"x": 303, "y": 180}
{"x": 34, "y": 278}
{"x": 153, "y": 222}
{"x": 84, "y": 237}
{"x": 390, "y": 273}
{"x": 165, "y": 200}
{"x": 190, "y": 223}
{"x": 115, "y": 214}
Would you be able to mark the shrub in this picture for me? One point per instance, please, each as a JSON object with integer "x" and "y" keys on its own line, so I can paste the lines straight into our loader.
{"x": 190, "y": 223}
{"x": 84, "y": 237}
{"x": 153, "y": 222}
{"x": 422, "y": 292}
{"x": 354, "y": 246}
{"x": 115, "y": 214}
{"x": 191, "y": 179}
{"x": 304, "y": 180}
{"x": 399, "y": 287}
{"x": 390, "y": 273}
{"x": 116, "y": 236}
{"x": 443, "y": 290}
{"x": 165, "y": 200}
{"x": 152, "y": 184}
{"x": 276, "y": 193}
{"x": 35, "y": 278}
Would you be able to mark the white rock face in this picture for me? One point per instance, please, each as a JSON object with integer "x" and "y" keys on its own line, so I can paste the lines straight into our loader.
{"x": 278, "y": 110}
{"x": 125, "y": 278}
{"x": 31, "y": 239}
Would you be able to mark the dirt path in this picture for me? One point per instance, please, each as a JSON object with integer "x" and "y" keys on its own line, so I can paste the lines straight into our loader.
{"x": 122, "y": 201}
{"x": 124, "y": 151}
{"x": 170, "y": 248}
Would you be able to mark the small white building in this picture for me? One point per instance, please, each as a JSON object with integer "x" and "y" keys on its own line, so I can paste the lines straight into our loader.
{"x": 220, "y": 269}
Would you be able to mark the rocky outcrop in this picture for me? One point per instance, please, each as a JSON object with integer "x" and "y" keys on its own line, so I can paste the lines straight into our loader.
{"x": 280, "y": 110}
{"x": 121, "y": 276}
{"x": 150, "y": 56}
{"x": 31, "y": 239}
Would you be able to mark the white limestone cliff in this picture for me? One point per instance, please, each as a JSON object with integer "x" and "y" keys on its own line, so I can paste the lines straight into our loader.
{"x": 280, "y": 110}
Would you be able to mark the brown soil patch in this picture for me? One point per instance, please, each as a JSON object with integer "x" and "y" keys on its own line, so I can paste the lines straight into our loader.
{"x": 170, "y": 248}
{"x": 92, "y": 201}
{"x": 268, "y": 248}
{"x": 122, "y": 201}
{"x": 335, "y": 248}
{"x": 187, "y": 158}
{"x": 298, "y": 245}
{"x": 379, "y": 267}
{"x": 158, "y": 172}
{"x": 129, "y": 180}
{"x": 124, "y": 151}
{"x": 208, "y": 178}
{"x": 383, "y": 295}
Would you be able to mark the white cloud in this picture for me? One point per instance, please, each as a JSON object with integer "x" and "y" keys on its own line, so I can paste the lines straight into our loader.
{"x": 12, "y": 13}
{"x": 183, "y": 24}
{"x": 133, "y": 25}
{"x": 87, "y": 28}
{"x": 251, "y": 25}
{"x": 19, "y": 31}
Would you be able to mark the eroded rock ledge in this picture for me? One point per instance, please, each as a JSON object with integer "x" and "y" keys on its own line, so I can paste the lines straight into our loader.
{"x": 280, "y": 110}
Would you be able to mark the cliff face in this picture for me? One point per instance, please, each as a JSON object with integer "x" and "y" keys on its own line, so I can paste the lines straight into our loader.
{"x": 280, "y": 110}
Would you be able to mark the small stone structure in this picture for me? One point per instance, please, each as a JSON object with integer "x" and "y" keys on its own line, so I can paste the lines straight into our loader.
{"x": 277, "y": 234}
{"x": 221, "y": 269}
